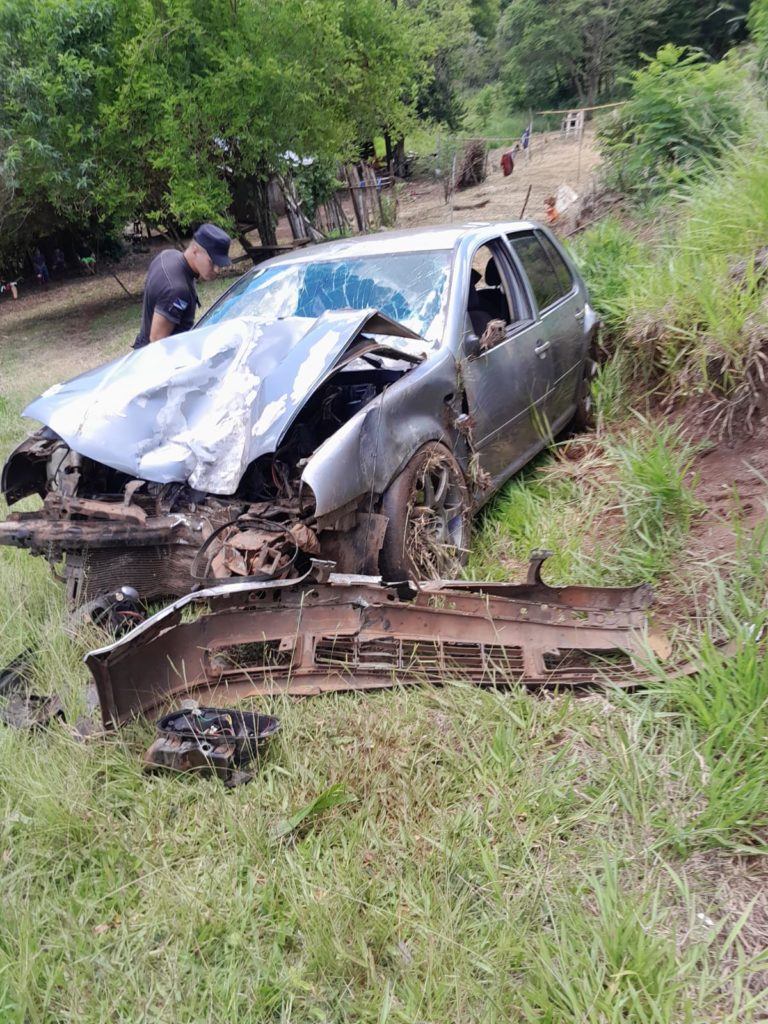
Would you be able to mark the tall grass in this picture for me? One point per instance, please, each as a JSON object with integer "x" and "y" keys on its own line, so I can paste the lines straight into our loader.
{"x": 608, "y": 256}
{"x": 690, "y": 308}
{"x": 655, "y": 487}
{"x": 723, "y": 707}
{"x": 619, "y": 514}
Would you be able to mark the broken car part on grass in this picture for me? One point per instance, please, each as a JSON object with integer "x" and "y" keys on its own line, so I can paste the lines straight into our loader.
{"x": 355, "y": 402}
{"x": 330, "y": 632}
{"x": 218, "y": 741}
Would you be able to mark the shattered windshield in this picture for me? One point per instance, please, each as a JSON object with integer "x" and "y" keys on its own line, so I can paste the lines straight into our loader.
{"x": 409, "y": 287}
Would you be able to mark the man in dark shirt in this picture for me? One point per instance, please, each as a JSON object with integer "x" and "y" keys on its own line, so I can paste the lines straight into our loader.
{"x": 170, "y": 295}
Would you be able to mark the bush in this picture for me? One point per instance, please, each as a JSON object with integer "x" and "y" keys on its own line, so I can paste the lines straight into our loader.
{"x": 684, "y": 113}
{"x": 758, "y": 26}
{"x": 607, "y": 255}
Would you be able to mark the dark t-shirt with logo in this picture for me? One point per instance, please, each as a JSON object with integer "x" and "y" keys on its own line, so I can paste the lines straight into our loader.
{"x": 169, "y": 290}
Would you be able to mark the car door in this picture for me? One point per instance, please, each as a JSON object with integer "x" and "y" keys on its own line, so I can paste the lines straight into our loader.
{"x": 506, "y": 382}
{"x": 560, "y": 320}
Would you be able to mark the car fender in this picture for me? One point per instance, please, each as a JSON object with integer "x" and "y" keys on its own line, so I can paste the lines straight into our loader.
{"x": 369, "y": 450}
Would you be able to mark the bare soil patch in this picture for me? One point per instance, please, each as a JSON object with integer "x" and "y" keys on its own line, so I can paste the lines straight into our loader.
{"x": 553, "y": 162}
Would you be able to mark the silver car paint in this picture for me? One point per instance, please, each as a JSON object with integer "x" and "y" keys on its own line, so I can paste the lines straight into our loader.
{"x": 199, "y": 407}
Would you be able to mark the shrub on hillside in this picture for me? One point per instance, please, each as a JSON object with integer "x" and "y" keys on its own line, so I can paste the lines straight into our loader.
{"x": 683, "y": 113}
{"x": 758, "y": 26}
{"x": 607, "y": 254}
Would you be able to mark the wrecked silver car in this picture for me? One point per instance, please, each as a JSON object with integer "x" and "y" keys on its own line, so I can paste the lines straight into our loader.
{"x": 354, "y": 402}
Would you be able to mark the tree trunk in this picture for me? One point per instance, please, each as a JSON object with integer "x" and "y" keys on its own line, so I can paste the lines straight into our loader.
{"x": 398, "y": 159}
{"x": 388, "y": 150}
{"x": 262, "y": 210}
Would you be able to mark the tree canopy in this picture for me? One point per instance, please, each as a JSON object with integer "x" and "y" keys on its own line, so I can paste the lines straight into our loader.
{"x": 156, "y": 108}
{"x": 575, "y": 51}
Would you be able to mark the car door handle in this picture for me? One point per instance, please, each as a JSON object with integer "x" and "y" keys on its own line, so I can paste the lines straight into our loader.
{"x": 579, "y": 316}
{"x": 541, "y": 348}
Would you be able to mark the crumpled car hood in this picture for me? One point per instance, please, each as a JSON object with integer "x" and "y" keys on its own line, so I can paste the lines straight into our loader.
{"x": 199, "y": 407}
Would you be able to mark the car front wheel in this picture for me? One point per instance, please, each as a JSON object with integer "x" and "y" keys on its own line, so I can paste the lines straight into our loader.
{"x": 429, "y": 514}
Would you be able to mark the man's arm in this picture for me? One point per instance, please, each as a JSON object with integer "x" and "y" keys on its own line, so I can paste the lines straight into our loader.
{"x": 161, "y": 327}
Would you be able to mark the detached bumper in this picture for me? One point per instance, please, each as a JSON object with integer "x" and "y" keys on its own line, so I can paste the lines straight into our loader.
{"x": 323, "y": 633}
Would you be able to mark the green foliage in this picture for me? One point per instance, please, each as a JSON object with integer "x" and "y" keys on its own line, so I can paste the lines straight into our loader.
{"x": 613, "y": 389}
{"x": 55, "y": 71}
{"x": 112, "y": 111}
{"x": 445, "y": 28}
{"x": 316, "y": 183}
{"x": 334, "y": 796}
{"x": 656, "y": 496}
{"x": 683, "y": 113}
{"x": 489, "y": 114}
{"x": 758, "y": 26}
{"x": 725, "y": 705}
{"x": 485, "y": 16}
{"x": 607, "y": 255}
{"x": 558, "y": 52}
{"x": 695, "y": 310}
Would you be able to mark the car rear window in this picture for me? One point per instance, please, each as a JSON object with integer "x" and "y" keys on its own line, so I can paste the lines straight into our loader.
{"x": 559, "y": 264}
{"x": 545, "y": 283}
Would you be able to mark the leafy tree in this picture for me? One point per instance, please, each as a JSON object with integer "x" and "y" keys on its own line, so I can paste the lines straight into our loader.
{"x": 217, "y": 90}
{"x": 443, "y": 29}
{"x": 572, "y": 49}
{"x": 164, "y": 108}
{"x": 684, "y": 112}
{"x": 55, "y": 69}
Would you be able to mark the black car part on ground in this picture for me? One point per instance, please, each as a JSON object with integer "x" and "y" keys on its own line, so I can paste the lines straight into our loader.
{"x": 20, "y": 707}
{"x": 219, "y": 741}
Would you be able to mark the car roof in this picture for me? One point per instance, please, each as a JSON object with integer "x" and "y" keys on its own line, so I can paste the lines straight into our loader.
{"x": 442, "y": 237}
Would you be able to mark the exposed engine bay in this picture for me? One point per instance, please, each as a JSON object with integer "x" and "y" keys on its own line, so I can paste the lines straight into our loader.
{"x": 166, "y": 538}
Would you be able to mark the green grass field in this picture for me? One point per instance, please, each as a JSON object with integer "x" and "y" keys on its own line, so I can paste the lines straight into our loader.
{"x": 496, "y": 856}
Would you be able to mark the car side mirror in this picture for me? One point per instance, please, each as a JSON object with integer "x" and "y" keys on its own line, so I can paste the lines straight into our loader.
{"x": 470, "y": 342}
{"x": 471, "y": 345}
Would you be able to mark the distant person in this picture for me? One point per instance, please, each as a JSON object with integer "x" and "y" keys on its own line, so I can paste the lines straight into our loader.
{"x": 40, "y": 267}
{"x": 9, "y": 286}
{"x": 170, "y": 295}
{"x": 86, "y": 259}
{"x": 58, "y": 263}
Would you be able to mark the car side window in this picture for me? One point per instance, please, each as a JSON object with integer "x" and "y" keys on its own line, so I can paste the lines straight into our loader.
{"x": 545, "y": 283}
{"x": 496, "y": 295}
{"x": 560, "y": 266}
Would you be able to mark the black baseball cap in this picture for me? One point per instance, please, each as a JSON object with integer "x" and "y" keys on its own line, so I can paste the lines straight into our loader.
{"x": 216, "y": 242}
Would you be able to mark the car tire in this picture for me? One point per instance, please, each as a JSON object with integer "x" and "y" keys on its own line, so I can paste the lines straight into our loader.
{"x": 429, "y": 512}
{"x": 584, "y": 416}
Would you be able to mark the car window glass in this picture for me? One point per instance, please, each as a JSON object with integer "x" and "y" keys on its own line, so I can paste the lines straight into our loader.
{"x": 544, "y": 282}
{"x": 408, "y": 287}
{"x": 557, "y": 261}
{"x": 488, "y": 298}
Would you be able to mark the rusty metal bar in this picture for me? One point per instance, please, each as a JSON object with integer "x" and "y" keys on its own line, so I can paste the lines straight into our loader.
{"x": 42, "y": 534}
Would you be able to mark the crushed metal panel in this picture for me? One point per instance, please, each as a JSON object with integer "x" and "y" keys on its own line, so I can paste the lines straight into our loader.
{"x": 199, "y": 407}
{"x": 303, "y": 637}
